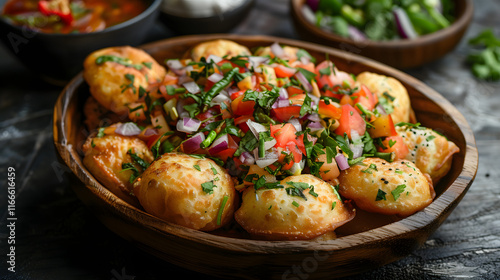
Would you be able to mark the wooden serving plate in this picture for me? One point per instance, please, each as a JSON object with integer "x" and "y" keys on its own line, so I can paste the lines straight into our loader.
{"x": 224, "y": 256}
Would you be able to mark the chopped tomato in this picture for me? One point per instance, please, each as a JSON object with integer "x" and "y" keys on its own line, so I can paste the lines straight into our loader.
{"x": 329, "y": 110}
{"x": 236, "y": 94}
{"x": 350, "y": 119}
{"x": 283, "y": 133}
{"x": 365, "y": 97}
{"x": 331, "y": 77}
{"x": 225, "y": 154}
{"x": 285, "y": 159}
{"x": 297, "y": 99}
{"x": 284, "y": 72}
{"x": 241, "y": 122}
{"x": 395, "y": 144}
{"x": 383, "y": 126}
{"x": 241, "y": 107}
{"x": 309, "y": 66}
{"x": 293, "y": 90}
{"x": 284, "y": 114}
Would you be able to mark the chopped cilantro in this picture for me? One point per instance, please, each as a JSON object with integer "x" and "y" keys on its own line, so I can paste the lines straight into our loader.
{"x": 208, "y": 187}
{"x": 380, "y": 195}
{"x": 397, "y": 191}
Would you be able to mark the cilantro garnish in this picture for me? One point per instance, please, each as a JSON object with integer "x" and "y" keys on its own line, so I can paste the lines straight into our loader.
{"x": 397, "y": 191}
{"x": 208, "y": 187}
{"x": 380, "y": 195}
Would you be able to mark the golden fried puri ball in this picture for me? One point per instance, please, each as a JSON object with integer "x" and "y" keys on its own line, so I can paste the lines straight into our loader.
{"x": 396, "y": 188}
{"x": 188, "y": 191}
{"x": 431, "y": 152}
{"x": 218, "y": 48}
{"x": 385, "y": 86}
{"x": 305, "y": 207}
{"x": 116, "y": 75}
{"x": 104, "y": 157}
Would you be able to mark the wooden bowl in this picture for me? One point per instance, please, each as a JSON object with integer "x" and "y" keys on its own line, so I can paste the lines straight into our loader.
{"x": 376, "y": 244}
{"x": 401, "y": 54}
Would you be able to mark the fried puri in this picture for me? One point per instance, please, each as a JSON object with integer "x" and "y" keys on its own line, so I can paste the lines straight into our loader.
{"x": 390, "y": 89}
{"x": 218, "y": 48}
{"x": 104, "y": 157}
{"x": 188, "y": 191}
{"x": 117, "y": 75}
{"x": 305, "y": 207}
{"x": 431, "y": 152}
{"x": 396, "y": 188}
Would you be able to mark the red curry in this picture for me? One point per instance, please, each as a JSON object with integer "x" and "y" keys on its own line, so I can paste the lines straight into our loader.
{"x": 71, "y": 16}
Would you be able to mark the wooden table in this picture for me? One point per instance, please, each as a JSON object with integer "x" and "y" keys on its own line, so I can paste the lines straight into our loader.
{"x": 57, "y": 238}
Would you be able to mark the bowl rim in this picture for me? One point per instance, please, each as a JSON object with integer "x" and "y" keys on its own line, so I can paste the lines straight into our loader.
{"x": 151, "y": 9}
{"x": 246, "y": 4}
{"x": 462, "y": 21}
{"x": 423, "y": 219}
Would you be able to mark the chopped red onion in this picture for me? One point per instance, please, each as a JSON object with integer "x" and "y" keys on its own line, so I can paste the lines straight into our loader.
{"x": 220, "y": 144}
{"x": 309, "y": 14}
{"x": 270, "y": 157}
{"x": 315, "y": 126}
{"x": 214, "y": 58}
{"x": 283, "y": 93}
{"x": 256, "y": 128}
{"x": 341, "y": 161}
{"x": 174, "y": 64}
{"x": 128, "y": 129}
{"x": 296, "y": 124}
{"x": 255, "y": 61}
{"x": 302, "y": 79}
{"x": 403, "y": 23}
{"x": 313, "y": 4}
{"x": 277, "y": 50}
{"x": 188, "y": 125}
{"x": 247, "y": 159}
{"x": 215, "y": 77}
{"x": 219, "y": 99}
{"x": 192, "y": 87}
{"x": 150, "y": 131}
{"x": 184, "y": 79}
{"x": 305, "y": 60}
{"x": 193, "y": 144}
{"x": 281, "y": 103}
{"x": 313, "y": 117}
{"x": 356, "y": 34}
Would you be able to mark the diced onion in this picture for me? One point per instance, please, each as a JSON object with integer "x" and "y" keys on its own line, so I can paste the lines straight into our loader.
{"x": 283, "y": 93}
{"x": 128, "y": 129}
{"x": 302, "y": 79}
{"x": 277, "y": 50}
{"x": 256, "y": 128}
{"x": 174, "y": 64}
{"x": 150, "y": 132}
{"x": 215, "y": 77}
{"x": 255, "y": 61}
{"x": 341, "y": 161}
{"x": 270, "y": 157}
{"x": 247, "y": 159}
{"x": 191, "y": 87}
{"x": 403, "y": 23}
{"x": 315, "y": 126}
{"x": 356, "y": 34}
{"x": 188, "y": 125}
{"x": 193, "y": 144}
{"x": 220, "y": 144}
{"x": 296, "y": 124}
{"x": 214, "y": 58}
{"x": 219, "y": 99}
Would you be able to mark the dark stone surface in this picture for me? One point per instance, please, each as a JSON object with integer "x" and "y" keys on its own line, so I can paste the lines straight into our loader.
{"x": 58, "y": 238}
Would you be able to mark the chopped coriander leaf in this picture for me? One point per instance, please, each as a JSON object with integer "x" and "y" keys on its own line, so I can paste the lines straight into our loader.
{"x": 197, "y": 167}
{"x": 120, "y": 60}
{"x": 208, "y": 187}
{"x": 263, "y": 99}
{"x": 410, "y": 125}
{"x": 155, "y": 149}
{"x": 297, "y": 189}
{"x": 392, "y": 142}
{"x": 295, "y": 203}
{"x": 429, "y": 138}
{"x": 303, "y": 53}
{"x": 130, "y": 85}
{"x": 312, "y": 192}
{"x": 213, "y": 169}
{"x": 148, "y": 65}
{"x": 397, "y": 191}
{"x": 380, "y": 195}
{"x": 131, "y": 167}
{"x": 306, "y": 106}
{"x": 101, "y": 133}
{"x": 334, "y": 204}
{"x": 142, "y": 163}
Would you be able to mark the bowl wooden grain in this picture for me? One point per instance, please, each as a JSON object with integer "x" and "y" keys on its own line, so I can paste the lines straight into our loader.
{"x": 225, "y": 256}
{"x": 401, "y": 54}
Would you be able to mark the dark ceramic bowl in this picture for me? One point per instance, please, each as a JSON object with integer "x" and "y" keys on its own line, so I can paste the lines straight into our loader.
{"x": 186, "y": 25}
{"x": 57, "y": 58}
{"x": 401, "y": 54}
